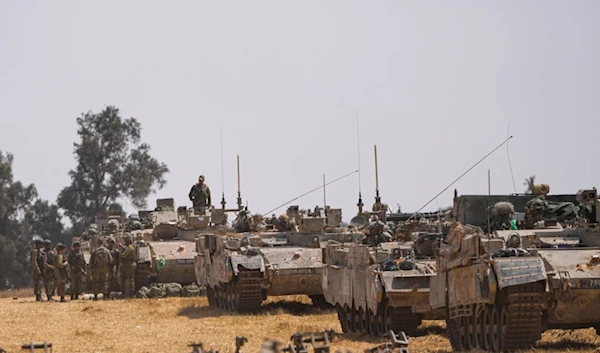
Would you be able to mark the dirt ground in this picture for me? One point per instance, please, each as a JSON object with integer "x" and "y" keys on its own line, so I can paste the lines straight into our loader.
{"x": 169, "y": 325}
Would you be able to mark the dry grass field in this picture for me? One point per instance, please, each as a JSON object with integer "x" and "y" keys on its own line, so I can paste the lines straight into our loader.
{"x": 169, "y": 325}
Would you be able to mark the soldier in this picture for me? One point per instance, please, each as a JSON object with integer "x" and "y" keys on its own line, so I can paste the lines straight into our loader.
{"x": 127, "y": 267}
{"x": 100, "y": 261}
{"x": 377, "y": 233}
{"x": 78, "y": 270}
{"x": 61, "y": 271}
{"x": 114, "y": 265}
{"x": 200, "y": 195}
{"x": 37, "y": 264}
{"x": 49, "y": 276}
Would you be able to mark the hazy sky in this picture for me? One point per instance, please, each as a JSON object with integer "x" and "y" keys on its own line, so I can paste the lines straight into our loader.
{"x": 435, "y": 85}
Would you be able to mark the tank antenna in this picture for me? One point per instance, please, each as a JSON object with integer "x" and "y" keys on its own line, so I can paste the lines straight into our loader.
{"x": 460, "y": 177}
{"x": 324, "y": 195}
{"x": 311, "y": 191}
{"x": 509, "y": 162}
{"x": 223, "y": 202}
{"x": 239, "y": 192}
{"x": 360, "y": 202}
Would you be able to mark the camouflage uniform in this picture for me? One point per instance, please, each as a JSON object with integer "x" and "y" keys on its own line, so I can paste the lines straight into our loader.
{"x": 100, "y": 261}
{"x": 61, "y": 271}
{"x": 49, "y": 275}
{"x": 127, "y": 268}
{"x": 113, "y": 268}
{"x": 37, "y": 264}
{"x": 377, "y": 232}
{"x": 200, "y": 195}
{"x": 78, "y": 270}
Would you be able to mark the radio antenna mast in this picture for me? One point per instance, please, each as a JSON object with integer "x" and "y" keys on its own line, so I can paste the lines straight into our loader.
{"x": 311, "y": 191}
{"x": 460, "y": 177}
{"x": 509, "y": 162}
{"x": 360, "y": 202}
{"x": 223, "y": 202}
{"x": 239, "y": 192}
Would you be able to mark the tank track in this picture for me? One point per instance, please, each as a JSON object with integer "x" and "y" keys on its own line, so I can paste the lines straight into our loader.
{"x": 514, "y": 323}
{"x": 243, "y": 295}
{"x": 523, "y": 316}
{"x": 142, "y": 275}
{"x": 386, "y": 318}
{"x": 403, "y": 319}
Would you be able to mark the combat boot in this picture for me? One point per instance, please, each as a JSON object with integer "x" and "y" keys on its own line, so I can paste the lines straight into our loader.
{"x": 106, "y": 297}
{"x": 38, "y": 297}
{"x": 72, "y": 296}
{"x": 50, "y": 299}
{"x": 62, "y": 300}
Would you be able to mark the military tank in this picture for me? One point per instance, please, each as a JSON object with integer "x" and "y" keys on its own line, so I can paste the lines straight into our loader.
{"x": 494, "y": 294}
{"x": 170, "y": 239}
{"x": 570, "y": 250}
{"x": 242, "y": 269}
{"x": 380, "y": 288}
{"x": 536, "y": 269}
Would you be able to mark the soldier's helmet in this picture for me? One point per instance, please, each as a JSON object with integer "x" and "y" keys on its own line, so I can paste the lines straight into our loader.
{"x": 38, "y": 241}
{"x": 113, "y": 224}
{"x": 111, "y": 240}
{"x": 61, "y": 246}
{"x": 128, "y": 238}
{"x": 47, "y": 242}
{"x": 201, "y": 178}
{"x": 76, "y": 244}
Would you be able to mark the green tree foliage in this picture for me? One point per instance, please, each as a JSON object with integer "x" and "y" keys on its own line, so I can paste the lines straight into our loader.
{"x": 112, "y": 163}
{"x": 22, "y": 216}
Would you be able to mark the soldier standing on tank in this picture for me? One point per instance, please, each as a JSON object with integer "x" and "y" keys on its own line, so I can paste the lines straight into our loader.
{"x": 100, "y": 261}
{"x": 114, "y": 265}
{"x": 49, "y": 276}
{"x": 127, "y": 265}
{"x": 61, "y": 271}
{"x": 78, "y": 270}
{"x": 37, "y": 264}
{"x": 200, "y": 195}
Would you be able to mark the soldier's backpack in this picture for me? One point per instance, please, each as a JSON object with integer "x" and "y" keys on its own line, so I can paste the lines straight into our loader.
{"x": 101, "y": 258}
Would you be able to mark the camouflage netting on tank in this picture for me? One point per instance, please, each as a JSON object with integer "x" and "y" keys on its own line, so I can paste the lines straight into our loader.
{"x": 162, "y": 290}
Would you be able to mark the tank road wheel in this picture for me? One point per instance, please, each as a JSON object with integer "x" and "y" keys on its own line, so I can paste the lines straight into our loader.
{"x": 503, "y": 324}
{"x": 373, "y": 323}
{"x": 342, "y": 318}
{"x": 222, "y": 297}
{"x": 471, "y": 331}
{"x": 229, "y": 296}
{"x": 454, "y": 326}
{"x": 479, "y": 329}
{"x": 463, "y": 329}
{"x": 486, "y": 327}
{"x": 495, "y": 329}
{"x": 353, "y": 318}
{"x": 360, "y": 320}
{"x": 210, "y": 295}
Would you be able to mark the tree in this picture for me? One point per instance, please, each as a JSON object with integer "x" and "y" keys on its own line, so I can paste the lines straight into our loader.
{"x": 529, "y": 183}
{"x": 22, "y": 216}
{"x": 112, "y": 163}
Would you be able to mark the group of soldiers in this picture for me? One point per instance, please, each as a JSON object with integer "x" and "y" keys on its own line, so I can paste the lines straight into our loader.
{"x": 53, "y": 269}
